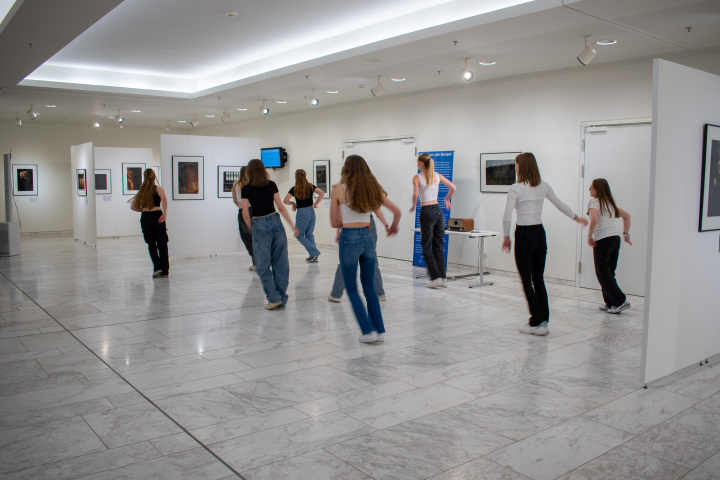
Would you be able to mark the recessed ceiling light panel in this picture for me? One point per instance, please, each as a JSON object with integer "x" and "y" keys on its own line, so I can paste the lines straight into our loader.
{"x": 398, "y": 79}
{"x": 486, "y": 62}
{"x": 332, "y": 91}
{"x": 606, "y": 41}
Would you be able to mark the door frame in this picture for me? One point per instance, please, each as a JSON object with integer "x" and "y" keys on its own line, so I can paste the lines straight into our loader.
{"x": 581, "y": 169}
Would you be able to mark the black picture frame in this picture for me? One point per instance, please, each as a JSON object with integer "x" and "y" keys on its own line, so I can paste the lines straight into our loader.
{"x": 81, "y": 181}
{"x": 710, "y": 184}
{"x": 188, "y": 179}
{"x": 24, "y": 180}
{"x": 227, "y": 176}
{"x": 132, "y": 177}
{"x": 103, "y": 181}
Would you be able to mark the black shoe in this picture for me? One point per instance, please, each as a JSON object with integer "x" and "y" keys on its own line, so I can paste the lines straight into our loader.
{"x": 313, "y": 259}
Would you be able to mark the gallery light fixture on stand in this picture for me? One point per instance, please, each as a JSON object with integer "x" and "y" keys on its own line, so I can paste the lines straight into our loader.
{"x": 466, "y": 73}
{"x": 225, "y": 117}
{"x": 167, "y": 127}
{"x": 312, "y": 99}
{"x": 18, "y": 120}
{"x": 264, "y": 110}
{"x": 588, "y": 53}
{"x": 119, "y": 118}
{"x": 378, "y": 89}
{"x": 31, "y": 113}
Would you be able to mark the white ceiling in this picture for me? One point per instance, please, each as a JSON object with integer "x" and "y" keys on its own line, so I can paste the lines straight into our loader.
{"x": 174, "y": 59}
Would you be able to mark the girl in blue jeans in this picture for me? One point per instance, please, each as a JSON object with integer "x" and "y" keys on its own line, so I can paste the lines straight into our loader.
{"x": 268, "y": 234}
{"x": 305, "y": 208}
{"x": 351, "y": 203}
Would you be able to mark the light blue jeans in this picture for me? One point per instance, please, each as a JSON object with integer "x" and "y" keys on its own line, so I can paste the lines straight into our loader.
{"x": 357, "y": 247}
{"x": 271, "y": 257}
{"x": 339, "y": 284}
{"x": 305, "y": 222}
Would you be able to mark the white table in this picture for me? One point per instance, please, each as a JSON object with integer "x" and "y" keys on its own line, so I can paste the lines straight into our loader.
{"x": 481, "y": 235}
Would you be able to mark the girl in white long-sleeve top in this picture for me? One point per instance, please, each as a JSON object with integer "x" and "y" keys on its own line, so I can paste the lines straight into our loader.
{"x": 527, "y": 197}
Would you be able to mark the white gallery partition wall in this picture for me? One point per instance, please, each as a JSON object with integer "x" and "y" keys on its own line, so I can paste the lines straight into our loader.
{"x": 682, "y": 301}
{"x": 82, "y": 165}
{"x": 200, "y": 220}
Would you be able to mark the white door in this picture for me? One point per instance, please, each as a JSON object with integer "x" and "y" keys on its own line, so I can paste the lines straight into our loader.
{"x": 621, "y": 155}
{"x": 393, "y": 163}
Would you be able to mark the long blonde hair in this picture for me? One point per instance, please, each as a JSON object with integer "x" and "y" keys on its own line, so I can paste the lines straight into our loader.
{"x": 364, "y": 193}
{"x": 144, "y": 200}
{"x": 429, "y": 169}
{"x": 303, "y": 188}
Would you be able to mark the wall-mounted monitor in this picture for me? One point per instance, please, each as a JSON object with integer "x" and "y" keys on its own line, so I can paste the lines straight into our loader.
{"x": 273, "y": 157}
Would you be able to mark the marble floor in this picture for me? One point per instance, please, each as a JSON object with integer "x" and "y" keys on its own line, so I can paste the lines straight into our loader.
{"x": 106, "y": 373}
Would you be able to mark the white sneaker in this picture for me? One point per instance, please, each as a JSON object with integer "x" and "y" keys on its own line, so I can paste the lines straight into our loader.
{"x": 541, "y": 329}
{"x": 380, "y": 338}
{"x": 603, "y": 307}
{"x": 334, "y": 299}
{"x": 619, "y": 309}
{"x": 444, "y": 284}
{"x": 371, "y": 337}
{"x": 381, "y": 298}
{"x": 274, "y": 306}
{"x": 437, "y": 283}
{"x": 157, "y": 273}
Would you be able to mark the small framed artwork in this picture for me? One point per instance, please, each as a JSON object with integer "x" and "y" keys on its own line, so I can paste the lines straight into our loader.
{"x": 132, "y": 174}
{"x": 81, "y": 182}
{"x": 710, "y": 186}
{"x": 25, "y": 180}
{"x": 156, "y": 169}
{"x": 103, "y": 184}
{"x": 227, "y": 176}
{"x": 187, "y": 177}
{"x": 497, "y": 171}
{"x": 321, "y": 175}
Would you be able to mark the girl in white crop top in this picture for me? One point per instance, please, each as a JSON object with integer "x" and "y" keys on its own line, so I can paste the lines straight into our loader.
{"x": 426, "y": 185}
{"x": 351, "y": 203}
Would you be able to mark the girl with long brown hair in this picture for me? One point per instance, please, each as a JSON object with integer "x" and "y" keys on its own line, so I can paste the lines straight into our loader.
{"x": 268, "y": 234}
{"x": 527, "y": 196}
{"x": 351, "y": 203}
{"x": 605, "y": 241}
{"x": 152, "y": 202}
{"x": 432, "y": 223}
{"x": 305, "y": 208}
{"x": 245, "y": 234}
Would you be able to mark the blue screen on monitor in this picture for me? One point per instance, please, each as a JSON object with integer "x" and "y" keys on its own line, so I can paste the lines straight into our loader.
{"x": 271, "y": 157}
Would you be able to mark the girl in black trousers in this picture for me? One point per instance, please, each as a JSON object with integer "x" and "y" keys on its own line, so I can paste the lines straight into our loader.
{"x": 245, "y": 234}
{"x": 152, "y": 202}
{"x": 527, "y": 197}
{"x": 605, "y": 241}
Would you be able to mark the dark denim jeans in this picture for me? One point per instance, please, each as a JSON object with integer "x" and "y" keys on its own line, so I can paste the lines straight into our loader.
{"x": 271, "y": 257}
{"x": 305, "y": 222}
{"x": 432, "y": 234}
{"x": 339, "y": 284}
{"x": 605, "y": 256}
{"x": 357, "y": 247}
{"x": 530, "y": 255}
{"x": 156, "y": 237}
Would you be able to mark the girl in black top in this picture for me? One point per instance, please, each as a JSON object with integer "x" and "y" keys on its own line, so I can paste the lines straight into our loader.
{"x": 152, "y": 202}
{"x": 305, "y": 208}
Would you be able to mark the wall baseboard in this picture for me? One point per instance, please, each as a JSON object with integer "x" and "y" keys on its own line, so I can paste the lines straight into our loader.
{"x": 60, "y": 233}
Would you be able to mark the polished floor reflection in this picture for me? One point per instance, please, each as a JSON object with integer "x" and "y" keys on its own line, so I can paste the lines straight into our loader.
{"x": 107, "y": 373}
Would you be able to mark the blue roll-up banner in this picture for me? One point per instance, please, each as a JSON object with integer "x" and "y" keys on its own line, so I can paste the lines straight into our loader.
{"x": 443, "y": 163}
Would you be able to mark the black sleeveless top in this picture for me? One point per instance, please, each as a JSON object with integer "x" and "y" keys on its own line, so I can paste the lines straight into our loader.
{"x": 156, "y": 197}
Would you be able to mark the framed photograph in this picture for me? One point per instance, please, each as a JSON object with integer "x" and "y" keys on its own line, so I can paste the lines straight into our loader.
{"x": 103, "y": 184}
{"x": 24, "y": 180}
{"x": 321, "y": 176}
{"x": 226, "y": 177}
{"x": 156, "y": 169}
{"x": 187, "y": 178}
{"x": 81, "y": 182}
{"x": 497, "y": 171}
{"x": 132, "y": 177}
{"x": 710, "y": 186}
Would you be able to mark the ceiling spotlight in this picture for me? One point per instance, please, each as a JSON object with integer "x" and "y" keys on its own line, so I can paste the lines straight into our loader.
{"x": 18, "y": 120}
{"x": 466, "y": 73}
{"x": 225, "y": 117}
{"x": 588, "y": 53}
{"x": 97, "y": 124}
{"x": 264, "y": 110}
{"x": 195, "y": 121}
{"x": 31, "y": 113}
{"x": 167, "y": 127}
{"x": 119, "y": 118}
{"x": 312, "y": 99}
{"x": 379, "y": 89}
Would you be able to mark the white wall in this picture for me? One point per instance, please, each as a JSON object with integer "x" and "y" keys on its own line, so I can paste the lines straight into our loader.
{"x": 83, "y": 207}
{"x": 539, "y": 114}
{"x": 682, "y": 302}
{"x": 208, "y": 226}
{"x": 114, "y": 217}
